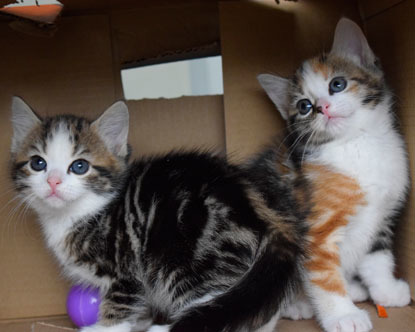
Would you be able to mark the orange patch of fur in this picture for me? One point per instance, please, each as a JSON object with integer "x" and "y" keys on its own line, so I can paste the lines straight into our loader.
{"x": 354, "y": 88}
{"x": 331, "y": 283}
{"x": 319, "y": 67}
{"x": 335, "y": 197}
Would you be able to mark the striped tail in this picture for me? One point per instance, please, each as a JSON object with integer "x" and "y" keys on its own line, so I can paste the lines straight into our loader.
{"x": 252, "y": 302}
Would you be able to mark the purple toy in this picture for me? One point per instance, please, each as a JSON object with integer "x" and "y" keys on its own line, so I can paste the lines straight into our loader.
{"x": 82, "y": 305}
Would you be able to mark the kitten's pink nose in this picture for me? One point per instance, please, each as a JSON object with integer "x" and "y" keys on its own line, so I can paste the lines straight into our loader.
{"x": 323, "y": 106}
{"x": 53, "y": 181}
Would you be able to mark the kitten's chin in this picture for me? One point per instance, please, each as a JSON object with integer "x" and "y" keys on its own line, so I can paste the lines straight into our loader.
{"x": 83, "y": 205}
{"x": 333, "y": 128}
{"x": 55, "y": 202}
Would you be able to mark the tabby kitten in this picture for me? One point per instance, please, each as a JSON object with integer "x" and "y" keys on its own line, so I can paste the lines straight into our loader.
{"x": 182, "y": 242}
{"x": 342, "y": 134}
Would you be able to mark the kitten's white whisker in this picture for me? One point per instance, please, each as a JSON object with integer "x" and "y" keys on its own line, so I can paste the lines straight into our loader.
{"x": 12, "y": 214}
{"x": 296, "y": 142}
{"x": 285, "y": 138}
{"x": 305, "y": 147}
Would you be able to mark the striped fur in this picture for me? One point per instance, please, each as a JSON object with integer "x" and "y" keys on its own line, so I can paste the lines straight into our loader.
{"x": 342, "y": 136}
{"x": 180, "y": 242}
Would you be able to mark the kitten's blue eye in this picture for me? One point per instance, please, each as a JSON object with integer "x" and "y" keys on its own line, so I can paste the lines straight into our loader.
{"x": 304, "y": 106}
{"x": 37, "y": 163}
{"x": 79, "y": 167}
{"x": 337, "y": 84}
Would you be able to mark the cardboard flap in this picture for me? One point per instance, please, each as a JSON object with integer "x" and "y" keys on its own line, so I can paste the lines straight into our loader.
{"x": 159, "y": 125}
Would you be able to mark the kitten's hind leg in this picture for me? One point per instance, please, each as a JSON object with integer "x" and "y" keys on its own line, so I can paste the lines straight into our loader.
{"x": 159, "y": 328}
{"x": 119, "y": 327}
{"x": 357, "y": 291}
{"x": 377, "y": 273}
{"x": 299, "y": 307}
{"x": 270, "y": 326}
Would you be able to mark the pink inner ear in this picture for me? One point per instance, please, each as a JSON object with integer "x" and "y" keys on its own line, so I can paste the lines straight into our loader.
{"x": 349, "y": 40}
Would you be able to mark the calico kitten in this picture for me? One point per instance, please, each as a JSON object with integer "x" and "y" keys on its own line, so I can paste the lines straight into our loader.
{"x": 343, "y": 136}
{"x": 182, "y": 242}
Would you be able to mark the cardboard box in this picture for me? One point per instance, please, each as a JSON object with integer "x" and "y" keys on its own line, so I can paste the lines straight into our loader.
{"x": 77, "y": 70}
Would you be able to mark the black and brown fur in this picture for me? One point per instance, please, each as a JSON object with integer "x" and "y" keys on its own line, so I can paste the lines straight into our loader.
{"x": 182, "y": 226}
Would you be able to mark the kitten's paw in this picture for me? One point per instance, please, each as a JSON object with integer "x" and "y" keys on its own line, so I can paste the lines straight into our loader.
{"x": 357, "y": 292}
{"x": 123, "y": 327}
{"x": 356, "y": 321}
{"x": 395, "y": 293}
{"x": 159, "y": 328}
{"x": 300, "y": 309}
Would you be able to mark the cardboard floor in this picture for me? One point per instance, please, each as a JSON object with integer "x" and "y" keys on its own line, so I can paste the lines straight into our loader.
{"x": 399, "y": 320}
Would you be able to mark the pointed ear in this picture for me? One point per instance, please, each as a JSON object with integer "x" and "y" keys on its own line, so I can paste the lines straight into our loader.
{"x": 350, "y": 42}
{"x": 112, "y": 127}
{"x": 277, "y": 90}
{"x": 23, "y": 121}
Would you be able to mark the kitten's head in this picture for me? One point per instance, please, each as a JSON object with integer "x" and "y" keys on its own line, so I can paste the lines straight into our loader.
{"x": 68, "y": 161}
{"x": 333, "y": 95}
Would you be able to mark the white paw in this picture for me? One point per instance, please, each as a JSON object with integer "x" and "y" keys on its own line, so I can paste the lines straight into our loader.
{"x": 356, "y": 321}
{"x": 357, "y": 292}
{"x": 159, "y": 328}
{"x": 123, "y": 327}
{"x": 395, "y": 293}
{"x": 300, "y": 309}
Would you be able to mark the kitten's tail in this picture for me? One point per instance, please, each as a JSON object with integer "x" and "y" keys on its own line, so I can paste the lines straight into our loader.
{"x": 255, "y": 300}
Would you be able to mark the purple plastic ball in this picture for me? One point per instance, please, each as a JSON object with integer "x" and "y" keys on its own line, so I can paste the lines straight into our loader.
{"x": 82, "y": 305}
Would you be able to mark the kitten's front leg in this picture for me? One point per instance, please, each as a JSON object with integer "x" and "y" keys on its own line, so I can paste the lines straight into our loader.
{"x": 122, "y": 309}
{"x": 326, "y": 287}
{"x": 336, "y": 311}
{"x": 299, "y": 307}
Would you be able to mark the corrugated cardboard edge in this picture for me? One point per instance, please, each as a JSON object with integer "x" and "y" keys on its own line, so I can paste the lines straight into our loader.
{"x": 177, "y": 55}
{"x": 47, "y": 327}
{"x": 370, "y": 8}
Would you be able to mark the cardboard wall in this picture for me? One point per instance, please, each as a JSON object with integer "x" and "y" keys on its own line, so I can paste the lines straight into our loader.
{"x": 390, "y": 33}
{"x": 160, "y": 125}
{"x": 178, "y": 31}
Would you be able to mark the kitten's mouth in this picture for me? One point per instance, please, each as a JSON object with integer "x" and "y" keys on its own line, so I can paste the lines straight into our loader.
{"x": 332, "y": 119}
{"x": 54, "y": 196}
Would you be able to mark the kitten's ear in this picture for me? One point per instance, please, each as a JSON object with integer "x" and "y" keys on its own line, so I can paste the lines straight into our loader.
{"x": 112, "y": 127}
{"x": 277, "y": 90}
{"x": 349, "y": 41}
{"x": 23, "y": 121}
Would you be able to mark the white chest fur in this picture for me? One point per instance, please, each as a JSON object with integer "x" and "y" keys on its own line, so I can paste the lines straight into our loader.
{"x": 57, "y": 225}
{"x": 56, "y": 232}
{"x": 378, "y": 163}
